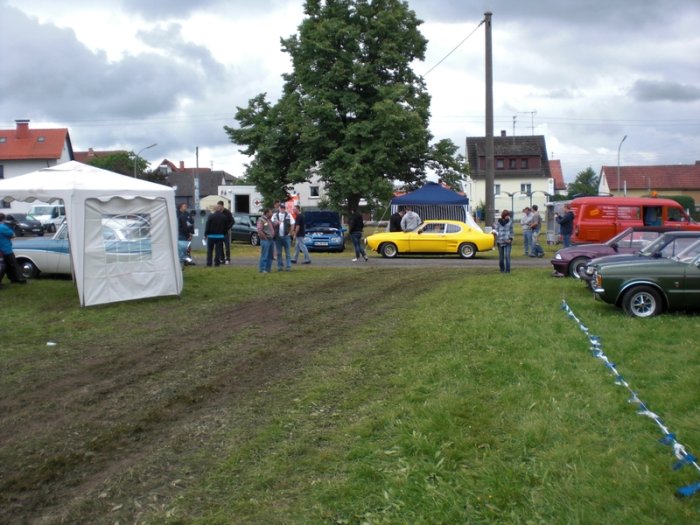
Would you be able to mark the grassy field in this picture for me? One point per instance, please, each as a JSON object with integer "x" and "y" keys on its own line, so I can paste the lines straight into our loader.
{"x": 342, "y": 396}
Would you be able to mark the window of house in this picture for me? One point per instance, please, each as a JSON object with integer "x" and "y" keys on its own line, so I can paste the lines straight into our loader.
{"x": 512, "y": 163}
{"x": 497, "y": 189}
{"x": 523, "y": 164}
{"x": 526, "y": 188}
{"x": 314, "y": 192}
{"x": 500, "y": 164}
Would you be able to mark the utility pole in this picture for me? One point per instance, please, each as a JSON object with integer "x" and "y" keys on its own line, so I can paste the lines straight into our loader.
{"x": 489, "y": 201}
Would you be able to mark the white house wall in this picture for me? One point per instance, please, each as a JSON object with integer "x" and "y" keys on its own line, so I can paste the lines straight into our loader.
{"x": 519, "y": 200}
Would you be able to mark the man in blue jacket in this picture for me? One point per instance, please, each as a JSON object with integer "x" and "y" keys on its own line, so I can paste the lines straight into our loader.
{"x": 214, "y": 232}
{"x": 8, "y": 255}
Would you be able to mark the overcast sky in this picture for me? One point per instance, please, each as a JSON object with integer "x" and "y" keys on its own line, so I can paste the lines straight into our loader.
{"x": 124, "y": 74}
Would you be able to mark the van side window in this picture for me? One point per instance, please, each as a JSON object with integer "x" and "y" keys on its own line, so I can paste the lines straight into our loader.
{"x": 652, "y": 215}
{"x": 629, "y": 213}
{"x": 676, "y": 215}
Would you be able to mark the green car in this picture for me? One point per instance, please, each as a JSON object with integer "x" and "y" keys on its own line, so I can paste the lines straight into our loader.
{"x": 651, "y": 286}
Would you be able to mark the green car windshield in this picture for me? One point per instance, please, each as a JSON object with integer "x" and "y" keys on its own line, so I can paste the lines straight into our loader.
{"x": 690, "y": 253}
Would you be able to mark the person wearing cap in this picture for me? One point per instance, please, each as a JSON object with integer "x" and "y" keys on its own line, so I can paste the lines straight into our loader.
{"x": 284, "y": 226}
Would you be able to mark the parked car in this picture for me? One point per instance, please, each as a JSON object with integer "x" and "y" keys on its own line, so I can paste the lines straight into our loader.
{"x": 324, "y": 233}
{"x": 245, "y": 228}
{"x": 667, "y": 245}
{"x": 433, "y": 237}
{"x": 23, "y": 224}
{"x": 573, "y": 260}
{"x": 44, "y": 254}
{"x": 649, "y": 286}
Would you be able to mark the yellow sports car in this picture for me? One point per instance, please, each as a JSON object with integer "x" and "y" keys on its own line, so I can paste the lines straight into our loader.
{"x": 433, "y": 236}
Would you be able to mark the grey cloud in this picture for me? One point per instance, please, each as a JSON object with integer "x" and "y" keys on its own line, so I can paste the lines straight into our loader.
{"x": 656, "y": 90}
{"x": 170, "y": 39}
{"x": 45, "y": 70}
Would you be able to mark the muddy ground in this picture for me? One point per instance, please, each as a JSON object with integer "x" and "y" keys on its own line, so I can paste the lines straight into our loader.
{"x": 93, "y": 430}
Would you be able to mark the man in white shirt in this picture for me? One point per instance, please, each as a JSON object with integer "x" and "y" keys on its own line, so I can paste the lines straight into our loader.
{"x": 284, "y": 226}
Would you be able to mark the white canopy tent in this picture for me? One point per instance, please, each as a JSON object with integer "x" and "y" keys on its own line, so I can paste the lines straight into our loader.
{"x": 122, "y": 231}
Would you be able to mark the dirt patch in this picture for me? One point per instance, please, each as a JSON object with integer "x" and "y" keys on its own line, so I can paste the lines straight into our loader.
{"x": 99, "y": 436}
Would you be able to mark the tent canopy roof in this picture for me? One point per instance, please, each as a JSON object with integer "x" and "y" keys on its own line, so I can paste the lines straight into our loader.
{"x": 431, "y": 194}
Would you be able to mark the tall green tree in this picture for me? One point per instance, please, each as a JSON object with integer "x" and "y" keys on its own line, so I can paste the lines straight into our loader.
{"x": 449, "y": 165}
{"x": 586, "y": 183}
{"x": 352, "y": 110}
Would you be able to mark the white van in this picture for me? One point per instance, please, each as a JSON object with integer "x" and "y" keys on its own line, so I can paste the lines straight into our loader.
{"x": 51, "y": 216}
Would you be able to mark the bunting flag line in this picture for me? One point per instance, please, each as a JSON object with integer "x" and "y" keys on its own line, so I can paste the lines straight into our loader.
{"x": 683, "y": 457}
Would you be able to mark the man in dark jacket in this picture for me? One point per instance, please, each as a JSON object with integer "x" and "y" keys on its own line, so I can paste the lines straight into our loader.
{"x": 566, "y": 224}
{"x": 395, "y": 221}
{"x": 356, "y": 224}
{"x": 227, "y": 236}
{"x": 214, "y": 231}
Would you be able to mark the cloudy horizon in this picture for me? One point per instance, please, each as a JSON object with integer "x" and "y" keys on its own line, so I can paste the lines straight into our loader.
{"x": 123, "y": 74}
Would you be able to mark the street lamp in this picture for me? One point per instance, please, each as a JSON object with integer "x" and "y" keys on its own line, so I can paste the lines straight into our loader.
{"x": 138, "y": 156}
{"x": 618, "y": 164}
{"x": 546, "y": 196}
{"x": 512, "y": 203}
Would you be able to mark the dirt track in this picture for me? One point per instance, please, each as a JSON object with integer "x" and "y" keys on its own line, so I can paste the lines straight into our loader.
{"x": 94, "y": 435}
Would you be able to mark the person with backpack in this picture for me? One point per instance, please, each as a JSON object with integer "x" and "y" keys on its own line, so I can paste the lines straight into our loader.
{"x": 284, "y": 226}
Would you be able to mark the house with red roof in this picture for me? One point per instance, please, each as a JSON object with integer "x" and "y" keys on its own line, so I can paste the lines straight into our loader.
{"x": 24, "y": 149}
{"x": 636, "y": 181}
{"x": 558, "y": 177}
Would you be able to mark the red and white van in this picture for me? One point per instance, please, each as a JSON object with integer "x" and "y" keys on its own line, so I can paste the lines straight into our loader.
{"x": 597, "y": 219}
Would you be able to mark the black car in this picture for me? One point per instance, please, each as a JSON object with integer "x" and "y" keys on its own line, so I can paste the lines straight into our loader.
{"x": 245, "y": 228}
{"x": 23, "y": 224}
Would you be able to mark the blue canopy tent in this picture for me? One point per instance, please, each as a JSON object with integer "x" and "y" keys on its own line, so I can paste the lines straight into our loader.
{"x": 434, "y": 201}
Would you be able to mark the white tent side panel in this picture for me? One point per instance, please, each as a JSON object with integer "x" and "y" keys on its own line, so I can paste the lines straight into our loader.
{"x": 137, "y": 265}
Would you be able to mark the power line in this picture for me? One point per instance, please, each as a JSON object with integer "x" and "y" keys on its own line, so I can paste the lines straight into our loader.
{"x": 455, "y": 49}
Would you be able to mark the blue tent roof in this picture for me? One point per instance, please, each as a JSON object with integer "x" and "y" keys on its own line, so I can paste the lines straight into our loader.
{"x": 430, "y": 194}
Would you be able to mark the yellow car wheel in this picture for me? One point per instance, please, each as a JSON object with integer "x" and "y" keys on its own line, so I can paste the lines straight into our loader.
{"x": 388, "y": 250}
{"x": 467, "y": 250}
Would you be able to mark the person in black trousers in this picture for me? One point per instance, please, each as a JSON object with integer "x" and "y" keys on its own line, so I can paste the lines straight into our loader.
{"x": 227, "y": 236}
{"x": 214, "y": 231}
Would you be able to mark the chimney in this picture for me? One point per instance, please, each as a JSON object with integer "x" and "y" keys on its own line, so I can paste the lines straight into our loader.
{"x": 22, "y": 128}
{"x": 182, "y": 165}
{"x": 503, "y": 133}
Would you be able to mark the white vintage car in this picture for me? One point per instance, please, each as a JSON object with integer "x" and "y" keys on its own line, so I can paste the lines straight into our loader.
{"x": 43, "y": 254}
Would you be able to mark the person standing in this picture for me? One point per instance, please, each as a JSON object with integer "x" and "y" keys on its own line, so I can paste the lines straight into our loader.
{"x": 214, "y": 234}
{"x": 8, "y": 254}
{"x": 184, "y": 231}
{"x": 566, "y": 224}
{"x": 535, "y": 227}
{"x": 227, "y": 235}
{"x": 284, "y": 225}
{"x": 298, "y": 234}
{"x": 526, "y": 223}
{"x": 355, "y": 226}
{"x": 410, "y": 221}
{"x": 504, "y": 240}
{"x": 266, "y": 234}
{"x": 395, "y": 221}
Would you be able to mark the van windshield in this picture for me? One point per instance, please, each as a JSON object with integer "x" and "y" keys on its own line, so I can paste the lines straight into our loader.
{"x": 42, "y": 210}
